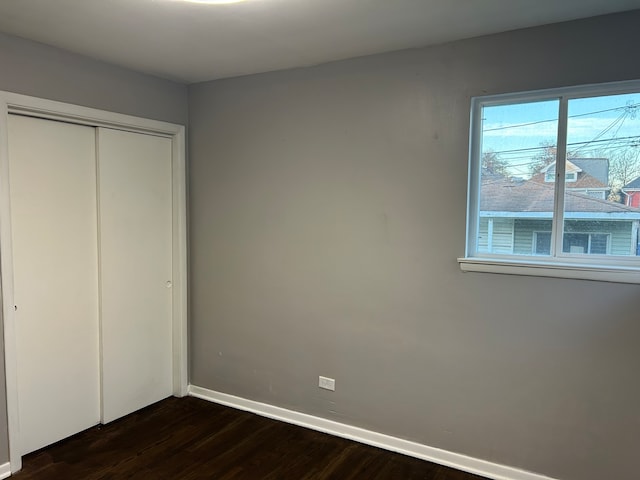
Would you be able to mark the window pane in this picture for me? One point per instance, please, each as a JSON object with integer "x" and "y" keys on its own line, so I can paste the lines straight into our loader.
{"x": 599, "y": 244}
{"x": 518, "y": 148}
{"x": 603, "y": 153}
{"x": 543, "y": 243}
{"x": 576, "y": 243}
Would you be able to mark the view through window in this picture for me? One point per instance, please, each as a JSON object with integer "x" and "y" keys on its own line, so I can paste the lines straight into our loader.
{"x": 559, "y": 176}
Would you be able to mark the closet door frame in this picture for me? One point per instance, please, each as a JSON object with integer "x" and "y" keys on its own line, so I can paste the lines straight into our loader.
{"x": 48, "y": 109}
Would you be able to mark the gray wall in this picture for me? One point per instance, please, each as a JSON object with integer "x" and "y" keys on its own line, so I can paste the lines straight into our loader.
{"x": 35, "y": 69}
{"x": 38, "y": 70}
{"x": 327, "y": 211}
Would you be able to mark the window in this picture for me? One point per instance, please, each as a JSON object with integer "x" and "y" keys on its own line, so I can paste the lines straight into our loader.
{"x": 597, "y": 194}
{"x": 549, "y": 169}
{"x": 550, "y": 175}
{"x": 591, "y": 243}
{"x": 542, "y": 243}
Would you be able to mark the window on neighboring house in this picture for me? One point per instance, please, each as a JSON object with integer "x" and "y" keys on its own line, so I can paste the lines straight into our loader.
{"x": 542, "y": 243}
{"x": 591, "y": 243}
{"x": 519, "y": 148}
{"x": 596, "y": 194}
{"x": 588, "y": 243}
{"x": 550, "y": 176}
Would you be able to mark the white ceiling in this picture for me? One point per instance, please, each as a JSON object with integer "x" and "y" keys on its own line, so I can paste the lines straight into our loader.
{"x": 192, "y": 42}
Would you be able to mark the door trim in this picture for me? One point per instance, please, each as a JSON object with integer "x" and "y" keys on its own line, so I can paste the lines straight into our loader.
{"x": 48, "y": 109}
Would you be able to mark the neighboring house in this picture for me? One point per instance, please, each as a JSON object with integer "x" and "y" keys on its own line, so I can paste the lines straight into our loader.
{"x": 582, "y": 175}
{"x": 516, "y": 216}
{"x": 632, "y": 193}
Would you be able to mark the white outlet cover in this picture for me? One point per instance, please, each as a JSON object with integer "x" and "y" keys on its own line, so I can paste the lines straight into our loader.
{"x": 327, "y": 383}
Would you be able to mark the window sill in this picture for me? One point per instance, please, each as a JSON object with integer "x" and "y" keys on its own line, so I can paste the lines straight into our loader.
{"x": 579, "y": 271}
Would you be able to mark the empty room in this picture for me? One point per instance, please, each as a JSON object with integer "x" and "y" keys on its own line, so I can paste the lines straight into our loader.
{"x": 320, "y": 239}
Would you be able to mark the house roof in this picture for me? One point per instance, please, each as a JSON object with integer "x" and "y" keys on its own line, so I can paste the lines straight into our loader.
{"x": 570, "y": 167}
{"x": 595, "y": 167}
{"x": 633, "y": 185}
{"x": 502, "y": 194}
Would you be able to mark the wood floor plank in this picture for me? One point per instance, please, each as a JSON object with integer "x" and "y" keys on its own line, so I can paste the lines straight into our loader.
{"x": 192, "y": 439}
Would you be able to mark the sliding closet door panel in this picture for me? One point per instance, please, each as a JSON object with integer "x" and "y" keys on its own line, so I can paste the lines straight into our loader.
{"x": 135, "y": 212}
{"x": 54, "y": 227}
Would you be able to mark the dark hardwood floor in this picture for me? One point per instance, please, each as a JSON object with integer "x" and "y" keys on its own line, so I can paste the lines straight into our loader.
{"x": 193, "y": 439}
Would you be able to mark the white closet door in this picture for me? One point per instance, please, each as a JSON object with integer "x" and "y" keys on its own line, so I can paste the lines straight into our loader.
{"x": 135, "y": 223}
{"x": 54, "y": 228}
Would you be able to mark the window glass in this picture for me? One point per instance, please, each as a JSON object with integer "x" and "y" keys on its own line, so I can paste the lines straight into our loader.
{"x": 603, "y": 140}
{"x": 518, "y": 145}
{"x": 527, "y": 201}
{"x": 554, "y": 182}
{"x": 542, "y": 243}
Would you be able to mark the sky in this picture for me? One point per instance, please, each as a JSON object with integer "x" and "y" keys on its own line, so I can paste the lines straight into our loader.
{"x": 597, "y": 127}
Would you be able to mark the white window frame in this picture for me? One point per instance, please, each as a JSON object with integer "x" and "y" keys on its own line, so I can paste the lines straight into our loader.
{"x": 558, "y": 264}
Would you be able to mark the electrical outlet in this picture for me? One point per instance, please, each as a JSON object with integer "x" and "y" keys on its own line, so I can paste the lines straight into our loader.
{"x": 327, "y": 383}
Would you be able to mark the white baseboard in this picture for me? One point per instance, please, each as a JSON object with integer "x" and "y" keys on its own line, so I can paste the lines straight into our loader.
{"x": 5, "y": 470}
{"x": 442, "y": 457}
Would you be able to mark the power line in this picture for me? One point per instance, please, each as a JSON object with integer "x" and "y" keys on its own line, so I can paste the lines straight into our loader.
{"x": 625, "y": 107}
{"x": 543, "y": 147}
{"x": 619, "y": 120}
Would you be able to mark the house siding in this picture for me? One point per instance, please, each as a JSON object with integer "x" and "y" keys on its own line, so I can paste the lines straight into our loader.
{"x": 502, "y": 240}
{"x": 620, "y": 240}
{"x": 523, "y": 244}
{"x": 633, "y": 199}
